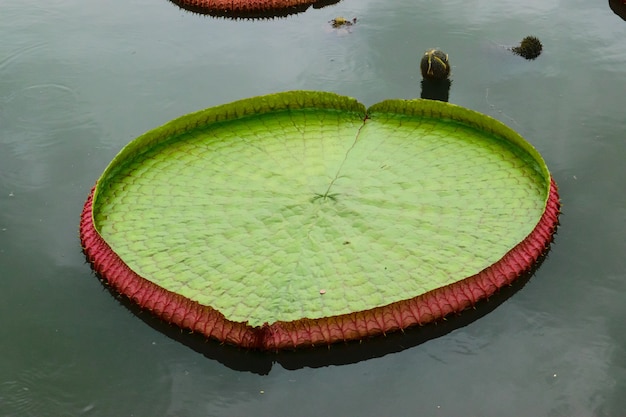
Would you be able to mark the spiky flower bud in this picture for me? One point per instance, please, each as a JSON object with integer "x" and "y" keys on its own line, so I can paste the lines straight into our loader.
{"x": 435, "y": 65}
{"x": 529, "y": 48}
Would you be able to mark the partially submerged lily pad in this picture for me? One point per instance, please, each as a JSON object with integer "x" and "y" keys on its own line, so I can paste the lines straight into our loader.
{"x": 303, "y": 218}
{"x": 250, "y": 9}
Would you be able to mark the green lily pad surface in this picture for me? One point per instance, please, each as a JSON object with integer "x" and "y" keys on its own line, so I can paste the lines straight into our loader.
{"x": 305, "y": 205}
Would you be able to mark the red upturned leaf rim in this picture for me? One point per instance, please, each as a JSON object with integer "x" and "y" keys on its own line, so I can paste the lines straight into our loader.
{"x": 417, "y": 311}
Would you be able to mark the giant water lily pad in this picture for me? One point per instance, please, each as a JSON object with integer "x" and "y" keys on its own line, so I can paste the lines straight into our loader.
{"x": 303, "y": 218}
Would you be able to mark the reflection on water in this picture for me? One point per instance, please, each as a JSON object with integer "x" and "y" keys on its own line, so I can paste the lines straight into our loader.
{"x": 339, "y": 354}
{"x": 436, "y": 89}
{"x": 618, "y": 7}
{"x": 79, "y": 80}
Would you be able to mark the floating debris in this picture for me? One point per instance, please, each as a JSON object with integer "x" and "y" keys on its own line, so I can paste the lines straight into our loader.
{"x": 342, "y": 21}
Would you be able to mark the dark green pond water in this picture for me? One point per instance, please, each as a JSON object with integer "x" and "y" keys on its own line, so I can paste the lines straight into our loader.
{"x": 80, "y": 79}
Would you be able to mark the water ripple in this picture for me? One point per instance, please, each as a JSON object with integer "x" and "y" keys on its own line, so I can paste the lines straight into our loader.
{"x": 20, "y": 54}
{"x": 36, "y": 391}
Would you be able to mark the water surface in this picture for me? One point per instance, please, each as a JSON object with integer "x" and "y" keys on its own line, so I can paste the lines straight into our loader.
{"x": 80, "y": 79}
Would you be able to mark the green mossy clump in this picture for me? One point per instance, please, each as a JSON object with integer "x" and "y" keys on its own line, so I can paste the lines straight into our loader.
{"x": 529, "y": 48}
